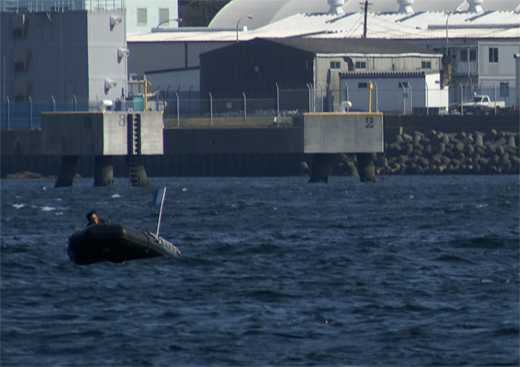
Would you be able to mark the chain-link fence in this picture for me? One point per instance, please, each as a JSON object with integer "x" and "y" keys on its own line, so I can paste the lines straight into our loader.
{"x": 182, "y": 109}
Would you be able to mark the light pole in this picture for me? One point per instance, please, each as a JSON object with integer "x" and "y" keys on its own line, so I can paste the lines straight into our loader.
{"x": 248, "y": 16}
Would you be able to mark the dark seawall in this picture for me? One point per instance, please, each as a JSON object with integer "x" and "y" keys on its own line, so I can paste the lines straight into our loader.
{"x": 413, "y": 145}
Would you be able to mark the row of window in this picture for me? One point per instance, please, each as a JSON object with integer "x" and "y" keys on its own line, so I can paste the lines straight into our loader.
{"x": 142, "y": 16}
{"x": 363, "y": 65}
{"x": 464, "y": 55}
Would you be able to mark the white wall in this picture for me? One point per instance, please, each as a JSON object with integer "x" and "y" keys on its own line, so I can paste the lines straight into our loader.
{"x": 152, "y": 14}
{"x": 387, "y": 96}
{"x": 506, "y": 64}
{"x": 104, "y": 41}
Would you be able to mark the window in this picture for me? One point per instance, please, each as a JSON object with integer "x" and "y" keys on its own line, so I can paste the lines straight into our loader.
{"x": 335, "y": 65}
{"x": 493, "y": 54}
{"x": 426, "y": 64}
{"x": 361, "y": 65}
{"x": 362, "y": 85}
{"x": 164, "y": 16}
{"x": 472, "y": 55}
{"x": 463, "y": 56}
{"x": 142, "y": 16}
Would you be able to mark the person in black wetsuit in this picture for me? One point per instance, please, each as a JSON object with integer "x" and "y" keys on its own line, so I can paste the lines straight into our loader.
{"x": 94, "y": 219}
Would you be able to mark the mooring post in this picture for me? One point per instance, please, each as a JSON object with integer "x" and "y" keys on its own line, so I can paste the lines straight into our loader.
{"x": 321, "y": 168}
{"x": 366, "y": 167}
{"x": 103, "y": 171}
{"x": 67, "y": 171}
{"x": 136, "y": 171}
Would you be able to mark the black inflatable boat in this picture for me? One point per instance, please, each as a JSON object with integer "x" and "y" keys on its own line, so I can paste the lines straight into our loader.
{"x": 116, "y": 243}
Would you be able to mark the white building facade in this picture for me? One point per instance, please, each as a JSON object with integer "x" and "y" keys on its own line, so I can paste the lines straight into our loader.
{"x": 141, "y": 16}
{"x": 406, "y": 93}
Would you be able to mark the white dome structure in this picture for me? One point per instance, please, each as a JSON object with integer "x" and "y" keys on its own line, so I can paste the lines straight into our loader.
{"x": 269, "y": 11}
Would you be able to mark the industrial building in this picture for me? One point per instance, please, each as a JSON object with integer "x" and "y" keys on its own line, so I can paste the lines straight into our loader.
{"x": 258, "y": 67}
{"x": 71, "y": 56}
{"x": 466, "y": 32}
{"x": 141, "y": 16}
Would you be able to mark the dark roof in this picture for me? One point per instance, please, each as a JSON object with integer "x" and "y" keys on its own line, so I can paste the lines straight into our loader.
{"x": 349, "y": 45}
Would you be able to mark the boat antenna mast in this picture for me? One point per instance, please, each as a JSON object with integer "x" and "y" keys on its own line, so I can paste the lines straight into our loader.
{"x": 160, "y": 210}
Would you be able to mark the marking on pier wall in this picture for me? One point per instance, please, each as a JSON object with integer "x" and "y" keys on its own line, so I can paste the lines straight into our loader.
{"x": 343, "y": 133}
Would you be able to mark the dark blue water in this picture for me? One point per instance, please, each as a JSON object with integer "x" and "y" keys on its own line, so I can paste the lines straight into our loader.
{"x": 274, "y": 271}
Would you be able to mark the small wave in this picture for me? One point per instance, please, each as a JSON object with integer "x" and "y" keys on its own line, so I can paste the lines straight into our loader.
{"x": 267, "y": 295}
{"x": 507, "y": 330}
{"x": 18, "y": 206}
{"x": 486, "y": 242}
{"x": 47, "y": 208}
{"x": 454, "y": 258}
{"x": 116, "y": 196}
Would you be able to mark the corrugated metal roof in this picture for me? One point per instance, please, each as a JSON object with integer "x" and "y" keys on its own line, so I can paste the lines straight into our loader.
{"x": 423, "y": 25}
{"x": 346, "y": 46}
{"x": 269, "y": 11}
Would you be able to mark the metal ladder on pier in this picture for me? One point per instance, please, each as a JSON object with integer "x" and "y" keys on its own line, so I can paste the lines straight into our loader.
{"x": 134, "y": 147}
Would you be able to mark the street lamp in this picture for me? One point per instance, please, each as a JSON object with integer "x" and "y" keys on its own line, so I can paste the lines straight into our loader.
{"x": 248, "y": 16}
{"x": 178, "y": 20}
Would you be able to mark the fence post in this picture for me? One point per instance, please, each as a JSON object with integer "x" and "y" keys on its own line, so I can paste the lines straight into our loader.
{"x": 211, "y": 109}
{"x": 321, "y": 99}
{"x": 178, "y": 113}
{"x": 53, "y": 104}
{"x": 461, "y": 100}
{"x": 75, "y": 103}
{"x": 377, "y": 98}
{"x": 310, "y": 102}
{"x": 30, "y": 112}
{"x": 245, "y": 108}
{"x": 8, "y": 111}
{"x": 427, "y": 102}
{"x": 411, "y": 99}
{"x": 277, "y": 100}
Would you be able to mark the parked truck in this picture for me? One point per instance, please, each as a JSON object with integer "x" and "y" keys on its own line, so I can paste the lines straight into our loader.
{"x": 481, "y": 104}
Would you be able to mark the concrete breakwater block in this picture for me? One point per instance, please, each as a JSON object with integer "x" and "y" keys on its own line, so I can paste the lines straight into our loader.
{"x": 455, "y": 153}
{"x": 435, "y": 152}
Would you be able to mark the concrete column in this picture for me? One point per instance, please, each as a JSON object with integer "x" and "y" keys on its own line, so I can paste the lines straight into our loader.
{"x": 366, "y": 167}
{"x": 321, "y": 168}
{"x": 103, "y": 171}
{"x": 136, "y": 171}
{"x": 67, "y": 172}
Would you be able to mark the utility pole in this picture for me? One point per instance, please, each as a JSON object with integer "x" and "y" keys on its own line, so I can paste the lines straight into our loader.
{"x": 365, "y": 13}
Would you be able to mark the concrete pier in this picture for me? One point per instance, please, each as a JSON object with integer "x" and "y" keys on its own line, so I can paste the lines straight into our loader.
{"x": 103, "y": 171}
{"x": 321, "y": 168}
{"x": 67, "y": 171}
{"x": 102, "y": 135}
{"x": 136, "y": 171}
{"x": 328, "y": 133}
{"x": 366, "y": 168}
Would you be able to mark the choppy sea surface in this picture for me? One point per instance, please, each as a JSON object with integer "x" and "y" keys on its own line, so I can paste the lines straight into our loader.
{"x": 415, "y": 271}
